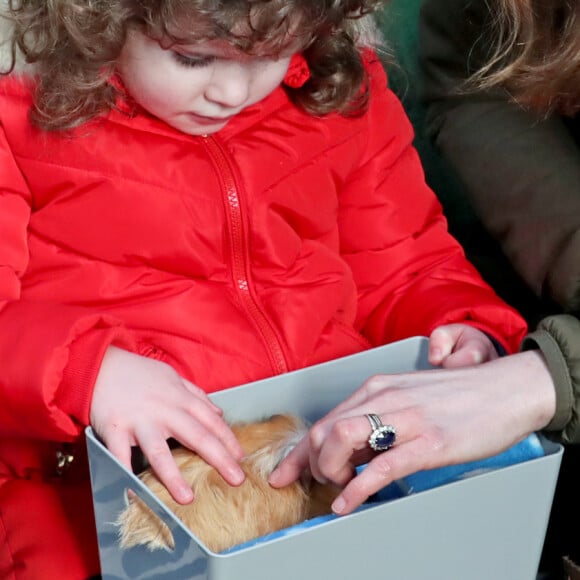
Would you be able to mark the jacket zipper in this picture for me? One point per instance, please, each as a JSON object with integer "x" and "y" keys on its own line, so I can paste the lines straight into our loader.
{"x": 240, "y": 266}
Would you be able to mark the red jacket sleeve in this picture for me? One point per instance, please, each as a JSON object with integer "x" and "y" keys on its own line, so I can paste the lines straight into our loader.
{"x": 50, "y": 354}
{"x": 411, "y": 274}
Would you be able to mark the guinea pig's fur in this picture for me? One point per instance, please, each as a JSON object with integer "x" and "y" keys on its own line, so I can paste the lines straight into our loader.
{"x": 221, "y": 515}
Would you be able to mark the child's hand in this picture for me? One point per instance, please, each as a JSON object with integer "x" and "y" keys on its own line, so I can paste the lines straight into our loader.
{"x": 460, "y": 345}
{"x": 142, "y": 401}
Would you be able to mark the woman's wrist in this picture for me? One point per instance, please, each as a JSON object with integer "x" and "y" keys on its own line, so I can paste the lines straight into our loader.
{"x": 541, "y": 393}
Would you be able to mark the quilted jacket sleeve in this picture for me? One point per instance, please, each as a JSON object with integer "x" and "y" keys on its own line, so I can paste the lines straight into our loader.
{"x": 49, "y": 354}
{"x": 558, "y": 337}
{"x": 521, "y": 173}
{"x": 412, "y": 276}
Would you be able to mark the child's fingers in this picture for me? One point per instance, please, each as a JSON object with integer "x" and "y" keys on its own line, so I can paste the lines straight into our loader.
{"x": 119, "y": 444}
{"x": 215, "y": 424}
{"x": 161, "y": 460}
{"x": 196, "y": 436}
{"x": 201, "y": 394}
{"x": 441, "y": 343}
{"x": 473, "y": 349}
{"x": 459, "y": 345}
{"x": 468, "y": 355}
{"x": 473, "y": 352}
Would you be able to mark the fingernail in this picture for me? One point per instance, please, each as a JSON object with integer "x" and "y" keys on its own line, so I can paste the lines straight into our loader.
{"x": 436, "y": 353}
{"x": 185, "y": 495}
{"x": 237, "y": 476}
{"x": 477, "y": 357}
{"x": 274, "y": 476}
{"x": 338, "y": 505}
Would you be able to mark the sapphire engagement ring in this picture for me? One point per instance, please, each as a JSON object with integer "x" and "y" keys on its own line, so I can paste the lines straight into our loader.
{"x": 383, "y": 437}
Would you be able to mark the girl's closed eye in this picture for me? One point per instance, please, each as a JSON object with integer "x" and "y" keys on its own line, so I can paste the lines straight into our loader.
{"x": 192, "y": 61}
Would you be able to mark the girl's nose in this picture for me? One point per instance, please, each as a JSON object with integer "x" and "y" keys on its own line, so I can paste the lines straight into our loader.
{"x": 230, "y": 84}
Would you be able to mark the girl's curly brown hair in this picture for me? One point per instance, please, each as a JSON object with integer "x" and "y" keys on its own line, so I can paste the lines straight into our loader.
{"x": 536, "y": 54}
{"x": 74, "y": 46}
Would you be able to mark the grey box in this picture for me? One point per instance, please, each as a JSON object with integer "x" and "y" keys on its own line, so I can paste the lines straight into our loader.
{"x": 486, "y": 527}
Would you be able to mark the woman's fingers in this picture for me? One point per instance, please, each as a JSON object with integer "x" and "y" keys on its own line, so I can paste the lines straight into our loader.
{"x": 333, "y": 448}
{"x": 290, "y": 469}
{"x": 382, "y": 470}
{"x": 347, "y": 443}
{"x": 307, "y": 452}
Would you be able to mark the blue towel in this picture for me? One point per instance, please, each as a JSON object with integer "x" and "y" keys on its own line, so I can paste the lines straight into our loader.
{"x": 529, "y": 448}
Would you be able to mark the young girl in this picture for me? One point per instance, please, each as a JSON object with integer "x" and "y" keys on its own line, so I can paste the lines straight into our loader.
{"x": 194, "y": 195}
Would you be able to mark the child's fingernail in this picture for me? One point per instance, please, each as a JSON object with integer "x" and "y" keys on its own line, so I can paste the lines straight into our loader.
{"x": 185, "y": 494}
{"x": 436, "y": 354}
{"x": 477, "y": 357}
{"x": 274, "y": 477}
{"x": 237, "y": 476}
{"x": 338, "y": 505}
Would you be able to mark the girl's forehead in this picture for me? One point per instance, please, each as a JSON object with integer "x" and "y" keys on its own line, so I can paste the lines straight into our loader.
{"x": 215, "y": 47}
{"x": 227, "y": 49}
{"x": 241, "y": 36}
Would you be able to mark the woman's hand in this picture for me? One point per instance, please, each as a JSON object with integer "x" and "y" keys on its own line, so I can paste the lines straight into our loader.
{"x": 142, "y": 401}
{"x": 442, "y": 417}
{"x": 460, "y": 345}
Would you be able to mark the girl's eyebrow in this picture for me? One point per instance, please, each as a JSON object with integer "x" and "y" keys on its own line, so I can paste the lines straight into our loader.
{"x": 205, "y": 46}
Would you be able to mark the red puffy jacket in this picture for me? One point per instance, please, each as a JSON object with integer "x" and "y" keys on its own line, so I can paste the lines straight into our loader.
{"x": 281, "y": 242}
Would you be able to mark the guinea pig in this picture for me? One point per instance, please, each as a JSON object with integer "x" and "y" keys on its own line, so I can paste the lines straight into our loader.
{"x": 222, "y": 516}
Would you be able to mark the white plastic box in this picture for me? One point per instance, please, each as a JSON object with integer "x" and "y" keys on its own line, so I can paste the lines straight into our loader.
{"x": 486, "y": 527}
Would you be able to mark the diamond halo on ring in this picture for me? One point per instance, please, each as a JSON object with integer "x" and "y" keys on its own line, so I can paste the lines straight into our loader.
{"x": 383, "y": 437}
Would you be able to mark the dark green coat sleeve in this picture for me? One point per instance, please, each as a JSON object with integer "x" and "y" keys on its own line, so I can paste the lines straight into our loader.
{"x": 521, "y": 173}
{"x": 558, "y": 337}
